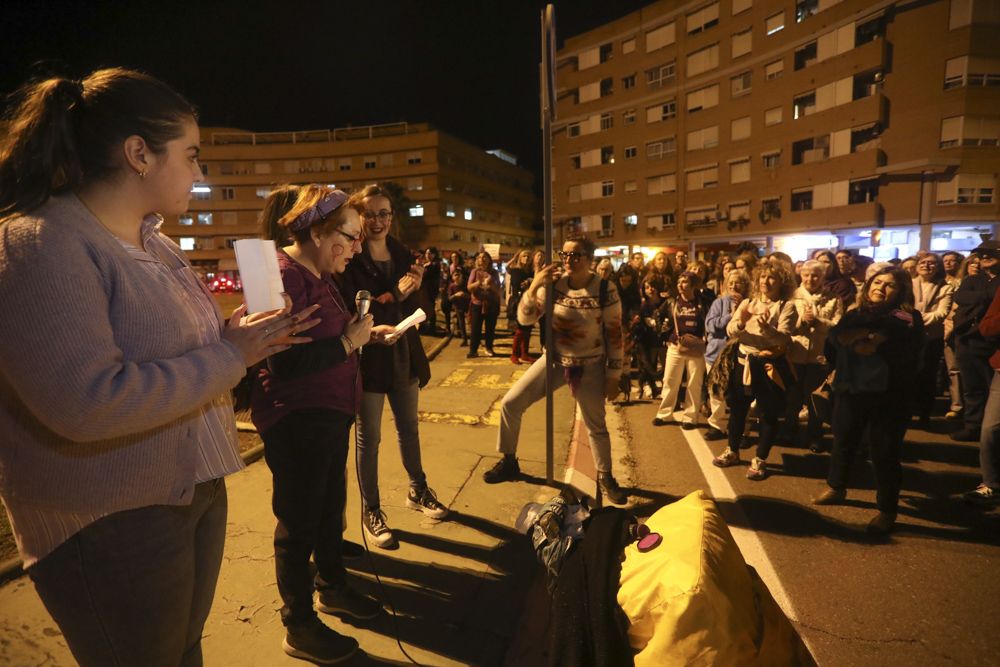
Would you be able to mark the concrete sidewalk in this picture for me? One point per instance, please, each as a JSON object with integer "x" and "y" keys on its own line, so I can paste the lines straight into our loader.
{"x": 458, "y": 586}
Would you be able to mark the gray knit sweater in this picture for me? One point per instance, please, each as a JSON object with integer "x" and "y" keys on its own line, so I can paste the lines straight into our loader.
{"x": 99, "y": 378}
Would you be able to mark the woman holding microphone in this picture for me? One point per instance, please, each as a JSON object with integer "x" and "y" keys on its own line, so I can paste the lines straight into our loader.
{"x": 304, "y": 404}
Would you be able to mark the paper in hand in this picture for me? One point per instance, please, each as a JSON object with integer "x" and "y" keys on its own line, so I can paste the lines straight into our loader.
{"x": 415, "y": 318}
{"x": 262, "y": 286}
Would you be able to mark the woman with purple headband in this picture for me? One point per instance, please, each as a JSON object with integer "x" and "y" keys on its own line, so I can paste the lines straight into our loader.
{"x": 304, "y": 404}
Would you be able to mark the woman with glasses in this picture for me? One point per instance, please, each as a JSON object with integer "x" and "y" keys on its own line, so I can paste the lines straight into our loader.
{"x": 932, "y": 295}
{"x": 394, "y": 372}
{"x": 303, "y": 405}
{"x": 484, "y": 309}
{"x": 588, "y": 339}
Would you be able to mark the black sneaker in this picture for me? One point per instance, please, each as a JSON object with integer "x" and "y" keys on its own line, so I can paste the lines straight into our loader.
{"x": 505, "y": 470}
{"x": 426, "y": 502}
{"x": 318, "y": 643}
{"x": 345, "y": 601}
{"x": 609, "y": 486}
{"x": 351, "y": 550}
{"x": 714, "y": 434}
{"x": 378, "y": 530}
{"x": 966, "y": 435}
{"x": 689, "y": 426}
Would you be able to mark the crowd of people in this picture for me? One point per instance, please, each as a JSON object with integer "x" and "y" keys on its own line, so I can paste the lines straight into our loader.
{"x": 117, "y": 367}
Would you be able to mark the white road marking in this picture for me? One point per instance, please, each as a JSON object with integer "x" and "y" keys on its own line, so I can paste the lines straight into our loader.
{"x": 746, "y": 538}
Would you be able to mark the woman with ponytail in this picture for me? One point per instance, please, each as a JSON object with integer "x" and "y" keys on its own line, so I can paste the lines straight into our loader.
{"x": 117, "y": 369}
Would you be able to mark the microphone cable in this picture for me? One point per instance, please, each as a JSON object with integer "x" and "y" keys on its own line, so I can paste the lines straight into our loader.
{"x": 362, "y": 301}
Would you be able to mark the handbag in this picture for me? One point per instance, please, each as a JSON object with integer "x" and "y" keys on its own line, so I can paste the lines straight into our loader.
{"x": 688, "y": 344}
{"x": 822, "y": 399}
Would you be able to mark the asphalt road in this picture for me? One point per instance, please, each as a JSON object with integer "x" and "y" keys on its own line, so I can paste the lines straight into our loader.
{"x": 921, "y": 597}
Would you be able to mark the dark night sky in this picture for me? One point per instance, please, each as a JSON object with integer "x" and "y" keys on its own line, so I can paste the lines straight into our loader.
{"x": 470, "y": 68}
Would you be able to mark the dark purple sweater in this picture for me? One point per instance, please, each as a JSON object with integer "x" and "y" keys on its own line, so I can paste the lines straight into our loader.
{"x": 315, "y": 375}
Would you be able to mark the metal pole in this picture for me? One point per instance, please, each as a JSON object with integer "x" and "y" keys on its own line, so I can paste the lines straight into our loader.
{"x": 548, "y": 80}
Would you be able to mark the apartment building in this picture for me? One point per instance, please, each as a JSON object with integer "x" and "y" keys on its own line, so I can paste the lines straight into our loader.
{"x": 795, "y": 124}
{"x": 456, "y": 196}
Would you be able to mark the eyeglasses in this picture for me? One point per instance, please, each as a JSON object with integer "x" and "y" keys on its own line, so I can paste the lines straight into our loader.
{"x": 352, "y": 239}
{"x": 381, "y": 216}
{"x": 572, "y": 256}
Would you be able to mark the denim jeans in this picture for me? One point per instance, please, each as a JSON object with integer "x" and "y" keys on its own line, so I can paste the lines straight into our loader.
{"x": 403, "y": 402}
{"x": 306, "y": 452}
{"x": 989, "y": 440}
{"x": 479, "y": 320}
{"x": 135, "y": 587}
{"x": 531, "y": 387}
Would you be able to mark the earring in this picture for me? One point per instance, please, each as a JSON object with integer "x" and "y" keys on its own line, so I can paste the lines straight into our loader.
{"x": 141, "y": 174}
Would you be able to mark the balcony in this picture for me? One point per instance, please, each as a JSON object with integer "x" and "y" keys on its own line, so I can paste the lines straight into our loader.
{"x": 868, "y": 214}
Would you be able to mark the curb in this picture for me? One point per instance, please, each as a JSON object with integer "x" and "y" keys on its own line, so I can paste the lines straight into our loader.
{"x": 436, "y": 350}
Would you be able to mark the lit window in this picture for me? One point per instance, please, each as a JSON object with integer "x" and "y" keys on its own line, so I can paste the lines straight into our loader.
{"x": 204, "y": 218}
{"x": 631, "y": 219}
{"x": 186, "y": 220}
{"x": 468, "y": 214}
{"x": 262, "y": 193}
{"x": 417, "y": 211}
{"x": 187, "y": 243}
{"x": 449, "y": 211}
{"x": 774, "y": 23}
{"x": 202, "y": 192}
{"x": 607, "y": 155}
{"x": 804, "y": 9}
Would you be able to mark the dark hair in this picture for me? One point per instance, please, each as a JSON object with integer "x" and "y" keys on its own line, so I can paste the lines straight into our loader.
{"x": 586, "y": 243}
{"x": 307, "y": 197}
{"x": 904, "y": 296}
{"x": 373, "y": 190}
{"x": 63, "y": 133}
{"x": 277, "y": 204}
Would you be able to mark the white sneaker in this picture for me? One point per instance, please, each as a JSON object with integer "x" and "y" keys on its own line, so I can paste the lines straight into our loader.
{"x": 378, "y": 530}
{"x": 647, "y": 393}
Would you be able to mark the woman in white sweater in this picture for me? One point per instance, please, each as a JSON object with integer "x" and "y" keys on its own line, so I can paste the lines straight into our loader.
{"x": 587, "y": 328}
{"x": 817, "y": 310}
{"x": 932, "y": 295}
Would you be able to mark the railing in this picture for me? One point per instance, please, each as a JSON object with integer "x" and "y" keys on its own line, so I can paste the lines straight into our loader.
{"x": 317, "y": 136}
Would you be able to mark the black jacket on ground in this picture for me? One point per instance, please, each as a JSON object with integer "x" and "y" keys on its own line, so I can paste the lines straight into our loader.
{"x": 377, "y": 368}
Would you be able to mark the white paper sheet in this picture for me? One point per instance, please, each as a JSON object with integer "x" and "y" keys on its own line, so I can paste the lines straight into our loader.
{"x": 414, "y": 319}
{"x": 258, "y": 263}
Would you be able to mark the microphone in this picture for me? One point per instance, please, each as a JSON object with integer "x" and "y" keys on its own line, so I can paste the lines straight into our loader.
{"x": 362, "y": 302}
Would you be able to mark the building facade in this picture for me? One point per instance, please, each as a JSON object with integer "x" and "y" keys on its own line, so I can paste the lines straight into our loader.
{"x": 455, "y": 195}
{"x": 795, "y": 124}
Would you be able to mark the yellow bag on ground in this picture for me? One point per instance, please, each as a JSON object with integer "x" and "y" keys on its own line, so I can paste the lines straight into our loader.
{"x": 694, "y": 601}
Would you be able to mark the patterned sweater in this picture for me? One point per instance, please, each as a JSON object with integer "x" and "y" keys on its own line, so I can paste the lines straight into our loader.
{"x": 585, "y": 333}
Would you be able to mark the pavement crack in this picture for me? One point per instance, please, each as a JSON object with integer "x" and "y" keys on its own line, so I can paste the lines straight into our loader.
{"x": 884, "y": 642}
